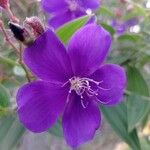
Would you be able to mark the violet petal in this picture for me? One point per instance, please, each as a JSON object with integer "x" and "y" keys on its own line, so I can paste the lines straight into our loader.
{"x": 88, "y": 48}
{"x": 79, "y": 123}
{"x": 93, "y": 4}
{"x": 54, "y": 5}
{"x": 39, "y": 104}
{"x": 60, "y": 18}
{"x": 47, "y": 58}
{"x": 113, "y": 82}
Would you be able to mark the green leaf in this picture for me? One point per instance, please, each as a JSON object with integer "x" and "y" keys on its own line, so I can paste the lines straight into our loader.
{"x": 117, "y": 118}
{"x": 108, "y": 28}
{"x": 10, "y": 132}
{"x": 136, "y": 12}
{"x": 129, "y": 37}
{"x": 66, "y": 31}
{"x": 56, "y": 129}
{"x": 7, "y": 61}
{"x": 104, "y": 11}
{"x": 137, "y": 106}
{"x": 4, "y": 97}
{"x": 141, "y": 11}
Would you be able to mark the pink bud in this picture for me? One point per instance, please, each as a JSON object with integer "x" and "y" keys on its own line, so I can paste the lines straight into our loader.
{"x": 35, "y": 24}
{"x": 123, "y": 1}
{"x": 1, "y": 23}
{"x": 4, "y": 3}
{"x": 118, "y": 13}
{"x": 130, "y": 7}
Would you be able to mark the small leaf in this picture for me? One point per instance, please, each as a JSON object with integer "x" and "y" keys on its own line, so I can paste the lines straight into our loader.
{"x": 104, "y": 11}
{"x": 129, "y": 37}
{"x": 66, "y": 31}
{"x": 138, "y": 11}
{"x": 117, "y": 118}
{"x": 137, "y": 110}
{"x": 137, "y": 106}
{"x": 4, "y": 97}
{"x": 8, "y": 62}
{"x": 108, "y": 28}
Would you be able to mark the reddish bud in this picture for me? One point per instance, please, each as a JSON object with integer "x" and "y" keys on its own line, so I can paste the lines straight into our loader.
{"x": 1, "y": 23}
{"x": 118, "y": 13}
{"x": 130, "y": 8}
{"x": 4, "y": 3}
{"x": 34, "y": 24}
{"x": 123, "y": 1}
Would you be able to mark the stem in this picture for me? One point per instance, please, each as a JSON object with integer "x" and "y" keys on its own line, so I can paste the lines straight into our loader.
{"x": 10, "y": 15}
{"x": 18, "y": 51}
{"x": 7, "y": 37}
{"x": 22, "y": 64}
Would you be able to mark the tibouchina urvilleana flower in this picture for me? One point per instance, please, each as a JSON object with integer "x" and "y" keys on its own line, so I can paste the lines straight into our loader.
{"x": 122, "y": 27}
{"x": 71, "y": 83}
{"x": 63, "y": 11}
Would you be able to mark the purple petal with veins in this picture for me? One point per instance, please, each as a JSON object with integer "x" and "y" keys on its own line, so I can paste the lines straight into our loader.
{"x": 63, "y": 11}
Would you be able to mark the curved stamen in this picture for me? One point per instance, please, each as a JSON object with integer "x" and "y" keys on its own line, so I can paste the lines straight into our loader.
{"x": 82, "y": 85}
{"x": 83, "y": 104}
{"x": 105, "y": 103}
{"x": 66, "y": 83}
{"x": 101, "y": 88}
{"x": 93, "y": 81}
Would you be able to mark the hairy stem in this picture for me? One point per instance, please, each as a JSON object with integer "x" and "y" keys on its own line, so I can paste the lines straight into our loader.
{"x": 7, "y": 37}
{"x": 18, "y": 51}
{"x": 22, "y": 64}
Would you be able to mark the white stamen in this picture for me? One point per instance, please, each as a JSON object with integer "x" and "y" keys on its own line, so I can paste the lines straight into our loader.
{"x": 82, "y": 103}
{"x": 89, "y": 12}
{"x": 102, "y": 101}
{"x": 82, "y": 86}
{"x": 101, "y": 88}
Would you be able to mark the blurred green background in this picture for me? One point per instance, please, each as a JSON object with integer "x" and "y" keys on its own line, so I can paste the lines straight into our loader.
{"x": 128, "y": 122}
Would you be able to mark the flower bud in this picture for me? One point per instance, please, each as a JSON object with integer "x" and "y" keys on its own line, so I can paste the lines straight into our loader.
{"x": 1, "y": 23}
{"x": 35, "y": 25}
{"x": 4, "y": 3}
{"x": 20, "y": 33}
{"x": 130, "y": 8}
{"x": 118, "y": 13}
{"x": 123, "y": 1}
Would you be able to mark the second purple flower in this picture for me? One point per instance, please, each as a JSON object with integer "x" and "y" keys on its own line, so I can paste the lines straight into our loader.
{"x": 63, "y": 11}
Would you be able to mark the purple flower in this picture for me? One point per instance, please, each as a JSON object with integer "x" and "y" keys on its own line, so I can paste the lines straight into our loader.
{"x": 71, "y": 83}
{"x": 66, "y": 10}
{"x": 121, "y": 27}
{"x": 132, "y": 22}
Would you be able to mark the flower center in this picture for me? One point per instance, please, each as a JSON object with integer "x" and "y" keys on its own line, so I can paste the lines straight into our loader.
{"x": 73, "y": 5}
{"x": 83, "y": 86}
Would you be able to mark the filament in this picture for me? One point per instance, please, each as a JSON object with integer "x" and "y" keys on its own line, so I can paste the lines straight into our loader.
{"x": 83, "y": 86}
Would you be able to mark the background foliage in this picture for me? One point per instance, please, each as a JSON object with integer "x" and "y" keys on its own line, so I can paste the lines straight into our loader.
{"x": 130, "y": 49}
